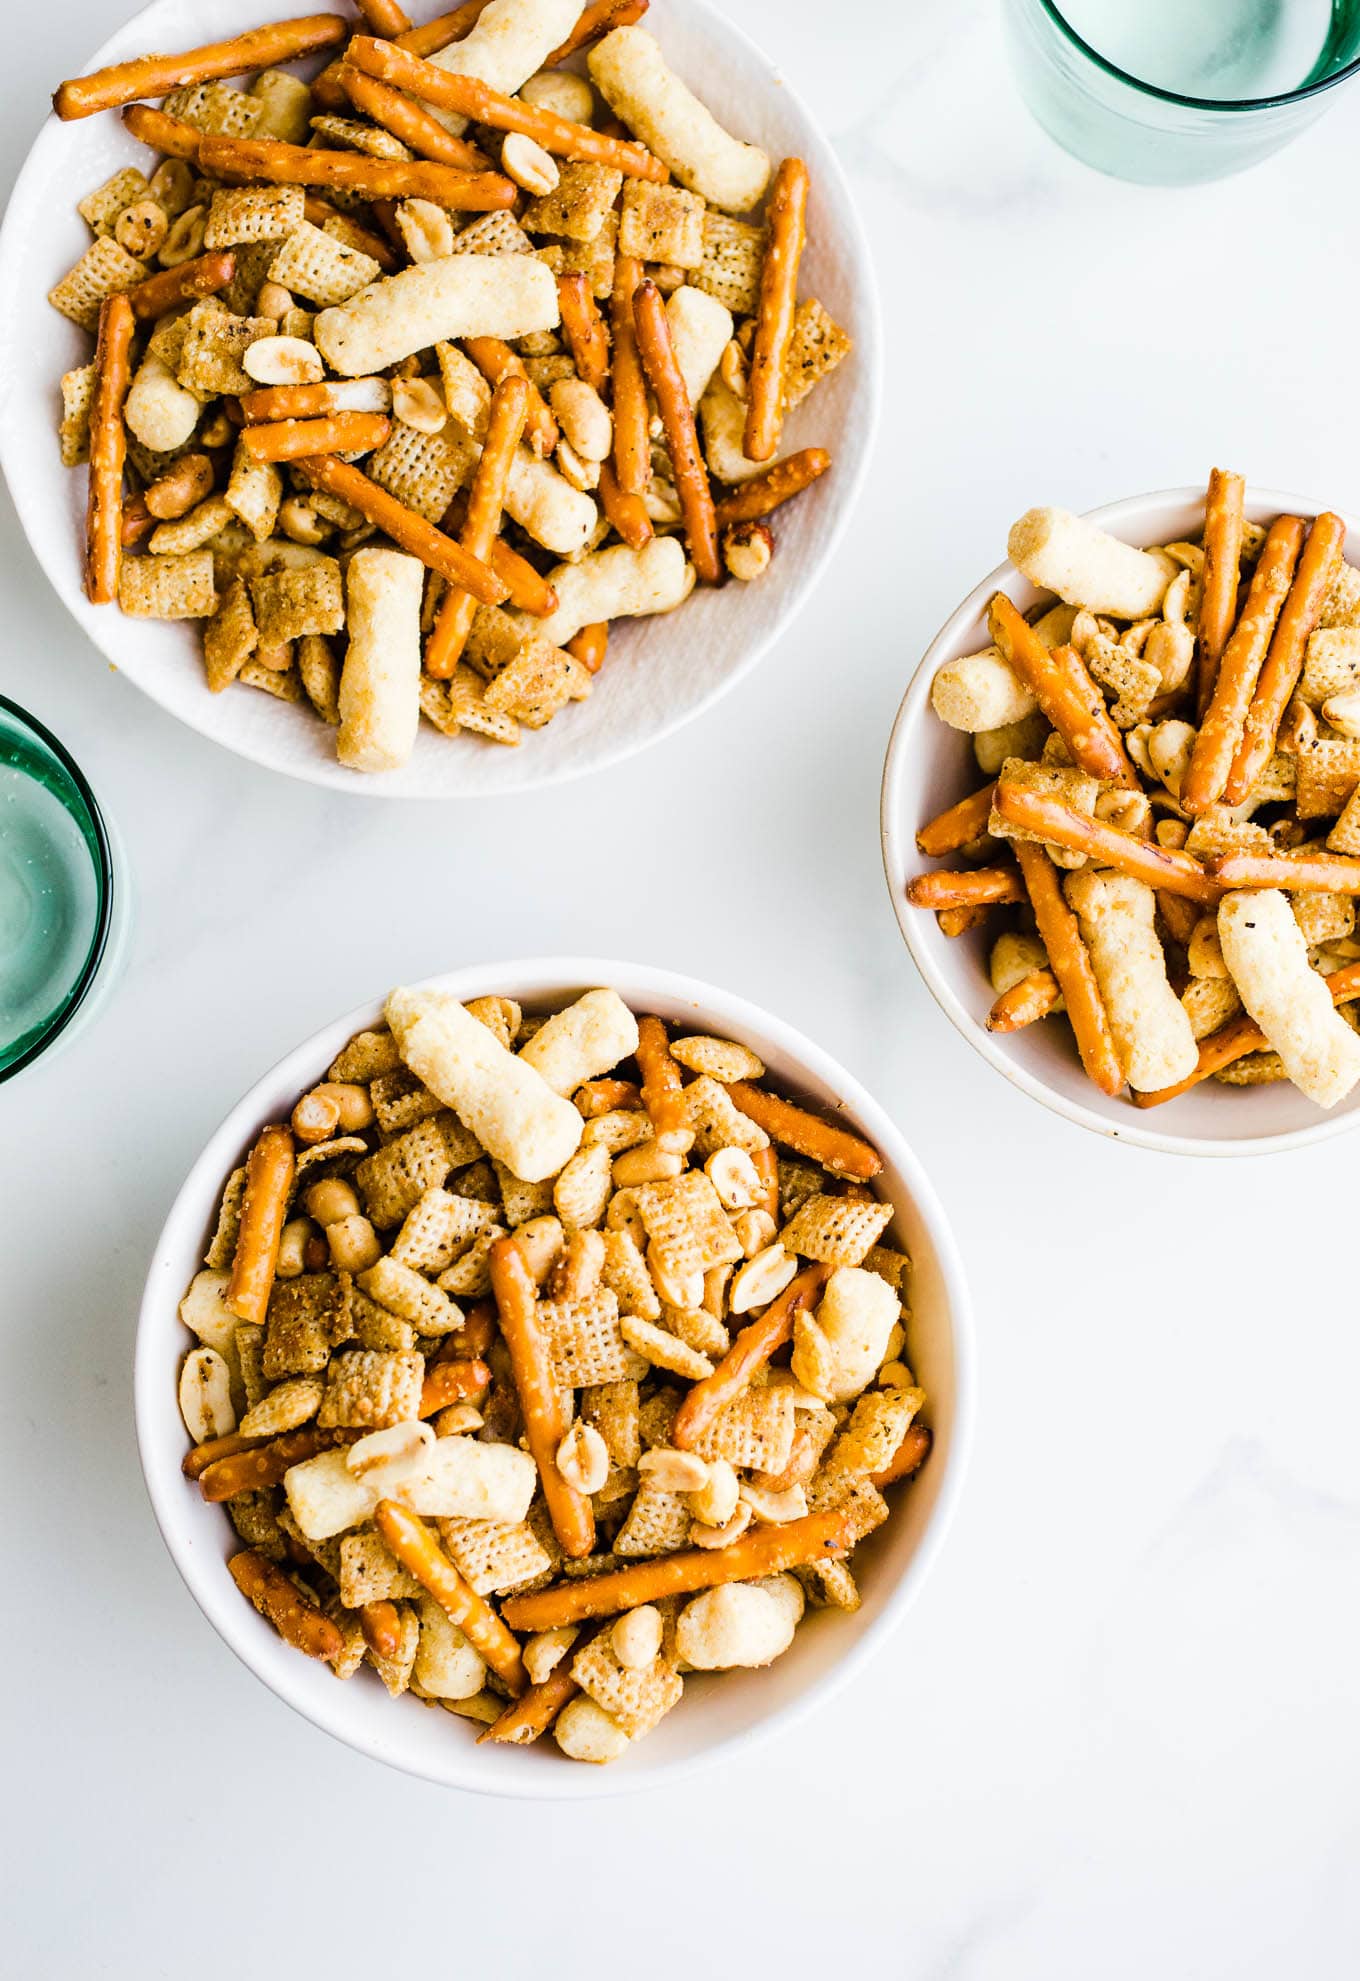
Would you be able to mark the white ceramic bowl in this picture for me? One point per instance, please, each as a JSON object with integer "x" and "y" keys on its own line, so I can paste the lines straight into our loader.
{"x": 719, "y": 1713}
{"x": 660, "y": 672}
{"x": 930, "y": 765}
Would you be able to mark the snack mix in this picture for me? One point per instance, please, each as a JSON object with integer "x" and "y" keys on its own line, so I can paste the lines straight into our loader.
{"x": 410, "y": 381}
{"x": 532, "y": 1375}
{"x": 1172, "y": 820}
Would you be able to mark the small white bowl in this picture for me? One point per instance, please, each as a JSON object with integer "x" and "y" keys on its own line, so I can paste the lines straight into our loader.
{"x": 660, "y": 672}
{"x": 929, "y": 766}
{"x": 719, "y": 1713}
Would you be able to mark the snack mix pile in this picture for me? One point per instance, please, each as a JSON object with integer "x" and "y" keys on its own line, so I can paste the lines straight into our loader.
{"x": 530, "y": 1374}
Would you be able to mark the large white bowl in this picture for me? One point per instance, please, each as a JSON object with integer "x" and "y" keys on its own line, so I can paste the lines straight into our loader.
{"x": 930, "y": 765}
{"x": 719, "y": 1714}
{"x": 660, "y": 672}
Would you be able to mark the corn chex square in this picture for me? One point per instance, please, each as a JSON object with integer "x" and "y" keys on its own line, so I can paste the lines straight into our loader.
{"x": 470, "y": 1276}
{"x": 439, "y": 1230}
{"x": 230, "y": 637}
{"x": 168, "y": 587}
{"x": 460, "y": 703}
{"x": 253, "y": 1517}
{"x": 101, "y": 208}
{"x": 584, "y": 1341}
{"x": 637, "y": 1700}
{"x": 1328, "y": 773}
{"x": 423, "y": 471}
{"x": 817, "y": 346}
{"x": 366, "y": 1056}
{"x": 877, "y": 1426}
{"x": 405, "y": 1293}
{"x": 755, "y": 1429}
{"x": 729, "y": 269}
{"x": 348, "y": 134}
{"x": 658, "y": 1523}
{"x": 371, "y": 1388}
{"x": 214, "y": 346}
{"x": 375, "y": 1327}
{"x": 77, "y": 393}
{"x": 222, "y": 1245}
{"x": 103, "y": 270}
{"x": 394, "y": 1178}
{"x": 850, "y": 1493}
{"x": 835, "y": 1231}
{"x": 717, "y": 1121}
{"x": 246, "y": 214}
{"x": 538, "y": 683}
{"x": 319, "y": 673}
{"x": 625, "y": 1274}
{"x": 327, "y": 271}
{"x": 493, "y": 234}
{"x": 797, "y": 1182}
{"x": 370, "y": 1572}
{"x": 289, "y": 604}
{"x": 685, "y": 1221}
{"x": 891, "y": 1265}
{"x": 216, "y": 108}
{"x": 495, "y": 1555}
{"x": 661, "y": 223}
{"x": 578, "y": 205}
{"x": 612, "y": 1409}
{"x": 1343, "y": 601}
{"x": 400, "y": 1100}
{"x": 307, "y": 1318}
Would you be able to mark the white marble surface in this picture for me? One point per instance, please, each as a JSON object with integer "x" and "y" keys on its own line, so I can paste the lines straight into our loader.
{"x": 1118, "y": 1734}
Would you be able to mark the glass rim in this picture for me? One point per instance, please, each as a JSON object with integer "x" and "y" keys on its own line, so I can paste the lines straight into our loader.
{"x": 1222, "y": 105}
{"x": 102, "y": 859}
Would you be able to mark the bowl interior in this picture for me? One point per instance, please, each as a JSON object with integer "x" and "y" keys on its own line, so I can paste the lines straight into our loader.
{"x": 930, "y": 765}
{"x": 660, "y": 671}
{"x": 717, "y": 1712}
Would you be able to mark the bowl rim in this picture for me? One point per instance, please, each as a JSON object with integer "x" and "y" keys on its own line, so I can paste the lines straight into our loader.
{"x": 846, "y": 489}
{"x": 213, "y": 1591}
{"x": 898, "y": 848}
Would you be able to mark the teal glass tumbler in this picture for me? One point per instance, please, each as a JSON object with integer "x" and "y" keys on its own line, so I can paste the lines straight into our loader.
{"x": 1135, "y": 129}
{"x": 63, "y": 895}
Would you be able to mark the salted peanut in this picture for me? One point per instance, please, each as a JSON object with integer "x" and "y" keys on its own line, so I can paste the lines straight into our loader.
{"x": 979, "y": 691}
{"x": 205, "y": 1395}
{"x": 703, "y": 1535}
{"x": 762, "y": 1279}
{"x": 636, "y": 1638}
{"x": 503, "y": 1099}
{"x": 631, "y": 73}
{"x": 582, "y": 1041}
{"x": 330, "y": 1200}
{"x": 528, "y": 164}
{"x": 1151, "y": 1029}
{"x": 418, "y": 403}
{"x": 582, "y": 1730}
{"x": 544, "y": 1652}
{"x": 1342, "y": 712}
{"x": 184, "y": 242}
{"x": 733, "y": 1175}
{"x": 755, "y": 1230}
{"x": 353, "y": 1244}
{"x": 857, "y": 1314}
{"x": 565, "y": 94}
{"x": 463, "y": 295}
{"x": 617, "y": 583}
{"x": 672, "y": 1471}
{"x": 1014, "y": 956}
{"x": 292, "y": 1258}
{"x": 272, "y": 299}
{"x": 283, "y": 361}
{"x": 1084, "y": 565}
{"x": 790, "y": 1503}
{"x": 701, "y": 329}
{"x": 541, "y": 1241}
{"x": 715, "y": 1501}
{"x": 447, "y": 1666}
{"x": 748, "y": 551}
{"x": 741, "y": 1624}
{"x": 1267, "y": 956}
{"x": 647, "y": 1163}
{"x": 316, "y": 1116}
{"x": 158, "y": 410}
{"x": 181, "y": 488}
{"x": 583, "y": 417}
{"x": 426, "y": 229}
{"x": 583, "y": 1459}
{"x": 379, "y": 692}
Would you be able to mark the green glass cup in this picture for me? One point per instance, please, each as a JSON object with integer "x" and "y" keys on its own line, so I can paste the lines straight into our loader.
{"x": 1165, "y": 93}
{"x": 63, "y": 905}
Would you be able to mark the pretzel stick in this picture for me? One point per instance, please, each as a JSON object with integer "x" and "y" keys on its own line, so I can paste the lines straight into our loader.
{"x": 787, "y": 223}
{"x": 443, "y": 30}
{"x": 292, "y": 402}
{"x": 528, "y": 588}
{"x": 767, "y": 1169}
{"x": 203, "y": 276}
{"x": 601, "y": 17}
{"x": 481, "y": 525}
{"x": 983, "y": 886}
{"x": 471, "y": 1340}
{"x": 382, "y": 178}
{"x": 417, "y": 129}
{"x": 583, "y": 328}
{"x": 452, "y": 1381}
{"x": 626, "y": 511}
{"x": 765, "y": 493}
{"x": 108, "y": 450}
{"x": 1070, "y": 962}
{"x": 806, "y": 1134}
{"x": 381, "y": 1626}
{"x": 415, "y": 1548}
{"x": 1032, "y": 998}
{"x": 385, "y": 17}
{"x": 1062, "y": 825}
{"x": 1220, "y": 729}
{"x": 269, "y": 1179}
{"x": 1297, "y": 873}
{"x": 1064, "y": 690}
{"x": 495, "y": 360}
{"x": 339, "y": 433}
{"x": 298, "y": 1621}
{"x": 657, "y": 352}
{"x": 196, "y": 1461}
{"x": 760, "y": 1551}
{"x": 959, "y": 826}
{"x": 662, "y": 1089}
{"x": 909, "y": 1457}
{"x": 1240, "y": 1036}
{"x": 157, "y": 75}
{"x": 594, "y": 1097}
{"x": 751, "y": 1350}
{"x": 164, "y": 134}
{"x": 477, "y": 101}
{"x": 632, "y": 455}
{"x": 1313, "y": 580}
{"x": 252, "y": 1470}
{"x": 412, "y": 532}
{"x": 1223, "y": 527}
{"x": 512, "y": 1283}
{"x": 590, "y": 644}
{"x": 319, "y": 211}
{"x": 522, "y": 1723}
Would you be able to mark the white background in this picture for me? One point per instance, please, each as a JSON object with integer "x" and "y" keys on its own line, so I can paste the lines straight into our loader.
{"x": 1118, "y": 1734}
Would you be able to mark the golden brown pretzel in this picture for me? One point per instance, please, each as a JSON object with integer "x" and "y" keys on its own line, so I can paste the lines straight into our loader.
{"x": 545, "y": 1426}
{"x": 787, "y": 222}
{"x": 481, "y": 523}
{"x": 157, "y": 75}
{"x": 108, "y": 450}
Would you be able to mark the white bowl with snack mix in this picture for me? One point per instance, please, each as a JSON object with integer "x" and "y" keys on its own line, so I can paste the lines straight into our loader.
{"x": 382, "y": 288}
{"x": 1171, "y": 715}
{"x": 471, "y": 1448}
